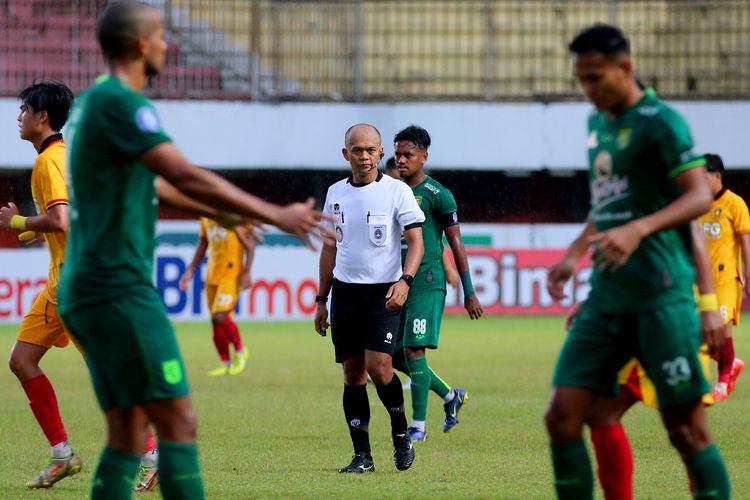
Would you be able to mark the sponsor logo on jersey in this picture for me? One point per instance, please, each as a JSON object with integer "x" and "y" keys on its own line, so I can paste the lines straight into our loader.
{"x": 355, "y": 422}
{"x": 431, "y": 188}
{"x": 592, "y": 142}
{"x": 217, "y": 233}
{"x": 607, "y": 187}
{"x": 388, "y": 337}
{"x": 648, "y": 111}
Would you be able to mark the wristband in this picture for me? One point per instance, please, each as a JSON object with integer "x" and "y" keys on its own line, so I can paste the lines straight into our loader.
{"x": 18, "y": 222}
{"x": 320, "y": 298}
{"x": 26, "y": 236}
{"x": 466, "y": 283}
{"x": 708, "y": 302}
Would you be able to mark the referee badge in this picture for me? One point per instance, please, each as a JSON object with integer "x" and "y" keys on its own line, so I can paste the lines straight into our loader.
{"x": 339, "y": 233}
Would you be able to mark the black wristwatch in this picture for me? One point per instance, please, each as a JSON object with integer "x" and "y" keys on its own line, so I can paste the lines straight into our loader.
{"x": 408, "y": 278}
{"x": 320, "y": 298}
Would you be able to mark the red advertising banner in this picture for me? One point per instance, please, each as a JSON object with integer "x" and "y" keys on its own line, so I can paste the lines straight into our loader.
{"x": 513, "y": 281}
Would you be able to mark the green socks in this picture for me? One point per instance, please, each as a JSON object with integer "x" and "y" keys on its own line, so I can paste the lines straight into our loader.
{"x": 179, "y": 472}
{"x": 115, "y": 474}
{"x": 573, "y": 476}
{"x": 709, "y": 474}
{"x": 420, "y": 387}
{"x": 438, "y": 385}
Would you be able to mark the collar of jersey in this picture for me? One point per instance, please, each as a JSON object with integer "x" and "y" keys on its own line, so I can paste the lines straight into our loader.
{"x": 50, "y": 141}
{"x": 350, "y": 181}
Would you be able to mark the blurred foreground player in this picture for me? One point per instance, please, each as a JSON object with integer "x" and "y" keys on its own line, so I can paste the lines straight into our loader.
{"x": 646, "y": 186}
{"x": 107, "y": 299}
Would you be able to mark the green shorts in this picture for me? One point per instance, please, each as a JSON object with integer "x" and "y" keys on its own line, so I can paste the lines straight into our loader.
{"x": 420, "y": 320}
{"x": 131, "y": 350}
{"x": 665, "y": 341}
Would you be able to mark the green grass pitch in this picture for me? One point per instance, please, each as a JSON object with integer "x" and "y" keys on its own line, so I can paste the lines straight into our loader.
{"x": 277, "y": 430}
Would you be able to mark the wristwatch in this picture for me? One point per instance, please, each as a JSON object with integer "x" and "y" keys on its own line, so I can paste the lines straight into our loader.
{"x": 320, "y": 298}
{"x": 408, "y": 278}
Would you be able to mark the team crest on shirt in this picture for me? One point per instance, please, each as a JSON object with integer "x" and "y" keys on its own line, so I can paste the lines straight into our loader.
{"x": 717, "y": 212}
{"x": 378, "y": 233}
{"x": 623, "y": 138}
{"x": 336, "y": 208}
{"x": 419, "y": 200}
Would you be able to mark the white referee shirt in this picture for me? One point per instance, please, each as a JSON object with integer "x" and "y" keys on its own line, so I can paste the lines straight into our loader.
{"x": 368, "y": 221}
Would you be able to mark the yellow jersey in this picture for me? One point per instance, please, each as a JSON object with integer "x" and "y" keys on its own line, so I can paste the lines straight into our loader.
{"x": 727, "y": 219}
{"x": 225, "y": 252}
{"x": 48, "y": 189}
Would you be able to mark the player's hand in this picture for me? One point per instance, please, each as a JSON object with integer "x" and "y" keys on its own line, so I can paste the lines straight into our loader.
{"x": 7, "y": 213}
{"x": 473, "y": 307}
{"x": 321, "y": 318}
{"x": 396, "y": 295}
{"x": 712, "y": 331}
{"x": 573, "y": 314}
{"x": 245, "y": 280}
{"x": 185, "y": 279}
{"x": 302, "y": 220}
{"x": 614, "y": 247}
{"x": 31, "y": 238}
{"x": 557, "y": 276}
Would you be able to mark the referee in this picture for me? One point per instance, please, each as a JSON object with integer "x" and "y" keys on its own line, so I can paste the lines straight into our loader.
{"x": 363, "y": 267}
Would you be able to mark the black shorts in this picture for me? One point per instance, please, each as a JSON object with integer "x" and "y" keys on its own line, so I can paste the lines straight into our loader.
{"x": 360, "y": 320}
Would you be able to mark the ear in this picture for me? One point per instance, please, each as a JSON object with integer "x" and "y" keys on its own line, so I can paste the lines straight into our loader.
{"x": 141, "y": 45}
{"x": 626, "y": 64}
{"x": 43, "y": 117}
{"x": 345, "y": 153}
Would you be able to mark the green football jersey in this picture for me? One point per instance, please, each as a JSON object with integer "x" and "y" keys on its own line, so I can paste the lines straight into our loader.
{"x": 634, "y": 159}
{"x": 113, "y": 199}
{"x": 440, "y": 211}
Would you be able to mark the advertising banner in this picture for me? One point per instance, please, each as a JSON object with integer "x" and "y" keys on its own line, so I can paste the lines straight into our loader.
{"x": 284, "y": 283}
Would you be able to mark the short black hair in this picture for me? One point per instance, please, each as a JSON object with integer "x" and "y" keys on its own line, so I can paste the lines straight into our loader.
{"x": 53, "y": 97}
{"x": 714, "y": 163}
{"x": 390, "y": 163}
{"x": 415, "y": 134}
{"x": 604, "y": 38}
{"x": 120, "y": 25}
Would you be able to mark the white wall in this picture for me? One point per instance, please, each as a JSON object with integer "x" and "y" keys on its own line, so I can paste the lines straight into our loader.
{"x": 465, "y": 135}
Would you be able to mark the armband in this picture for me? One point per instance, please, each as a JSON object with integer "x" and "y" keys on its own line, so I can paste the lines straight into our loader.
{"x": 708, "y": 302}
{"x": 18, "y": 222}
{"x": 466, "y": 283}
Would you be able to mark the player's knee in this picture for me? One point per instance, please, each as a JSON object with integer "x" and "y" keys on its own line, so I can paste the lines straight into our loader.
{"x": 184, "y": 425}
{"x": 219, "y": 317}
{"x": 355, "y": 375}
{"x": 561, "y": 425}
{"x": 20, "y": 366}
{"x": 688, "y": 438}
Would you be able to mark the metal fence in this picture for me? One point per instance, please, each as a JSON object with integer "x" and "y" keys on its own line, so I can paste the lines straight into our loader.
{"x": 388, "y": 50}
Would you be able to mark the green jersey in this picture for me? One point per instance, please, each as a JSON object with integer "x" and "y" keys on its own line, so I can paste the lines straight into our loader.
{"x": 634, "y": 159}
{"x": 113, "y": 196}
{"x": 440, "y": 212}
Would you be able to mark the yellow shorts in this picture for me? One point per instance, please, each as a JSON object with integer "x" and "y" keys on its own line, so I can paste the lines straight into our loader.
{"x": 42, "y": 326}
{"x": 730, "y": 300}
{"x": 223, "y": 297}
{"x": 635, "y": 379}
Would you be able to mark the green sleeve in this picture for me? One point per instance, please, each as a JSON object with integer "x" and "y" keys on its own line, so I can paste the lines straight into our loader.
{"x": 133, "y": 124}
{"x": 675, "y": 143}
